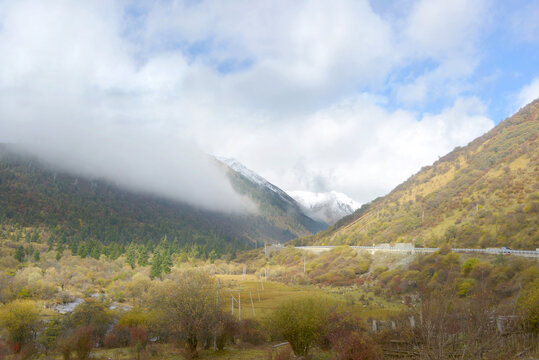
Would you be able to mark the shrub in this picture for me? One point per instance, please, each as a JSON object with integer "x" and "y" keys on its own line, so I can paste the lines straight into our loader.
{"x": 338, "y": 325}
{"x": 20, "y": 319}
{"x": 358, "y": 346}
{"x": 82, "y": 341}
{"x": 468, "y": 265}
{"x": 139, "y": 335}
{"x": 250, "y": 332}
{"x": 94, "y": 314}
{"x": 300, "y": 322}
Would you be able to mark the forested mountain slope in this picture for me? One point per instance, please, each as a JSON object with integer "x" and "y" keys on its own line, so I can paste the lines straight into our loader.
{"x": 56, "y": 206}
{"x": 485, "y": 194}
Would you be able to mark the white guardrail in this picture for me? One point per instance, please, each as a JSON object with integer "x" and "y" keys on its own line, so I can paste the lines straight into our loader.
{"x": 426, "y": 250}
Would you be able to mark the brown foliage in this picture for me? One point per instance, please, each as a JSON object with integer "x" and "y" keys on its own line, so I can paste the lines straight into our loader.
{"x": 358, "y": 346}
{"x": 251, "y": 332}
{"x": 82, "y": 342}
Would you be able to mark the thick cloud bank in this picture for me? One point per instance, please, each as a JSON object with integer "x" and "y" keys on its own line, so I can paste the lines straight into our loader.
{"x": 347, "y": 95}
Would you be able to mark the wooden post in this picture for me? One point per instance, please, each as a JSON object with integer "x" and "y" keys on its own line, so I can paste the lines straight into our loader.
{"x": 252, "y": 304}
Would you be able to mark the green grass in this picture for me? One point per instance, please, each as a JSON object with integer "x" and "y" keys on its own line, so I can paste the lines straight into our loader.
{"x": 274, "y": 294}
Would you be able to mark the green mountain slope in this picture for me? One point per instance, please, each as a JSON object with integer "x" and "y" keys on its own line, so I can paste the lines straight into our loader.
{"x": 72, "y": 209}
{"x": 485, "y": 194}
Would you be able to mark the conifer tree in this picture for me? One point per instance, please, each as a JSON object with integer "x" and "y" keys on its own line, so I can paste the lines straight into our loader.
{"x": 131, "y": 257}
{"x": 156, "y": 269}
{"x": 20, "y": 254}
{"x": 143, "y": 256}
{"x": 166, "y": 262}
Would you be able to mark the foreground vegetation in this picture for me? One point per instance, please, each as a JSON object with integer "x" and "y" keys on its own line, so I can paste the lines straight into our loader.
{"x": 336, "y": 305}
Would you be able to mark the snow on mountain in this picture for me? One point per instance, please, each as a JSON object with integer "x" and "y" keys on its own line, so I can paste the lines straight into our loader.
{"x": 254, "y": 177}
{"x": 327, "y": 207}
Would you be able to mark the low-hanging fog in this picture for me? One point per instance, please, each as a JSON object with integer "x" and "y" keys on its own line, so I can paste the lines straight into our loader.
{"x": 144, "y": 161}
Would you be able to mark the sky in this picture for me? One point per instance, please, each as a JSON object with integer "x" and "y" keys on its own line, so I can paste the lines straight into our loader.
{"x": 345, "y": 95}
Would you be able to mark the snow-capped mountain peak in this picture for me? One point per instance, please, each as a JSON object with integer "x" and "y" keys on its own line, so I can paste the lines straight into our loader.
{"x": 253, "y": 176}
{"x": 327, "y": 207}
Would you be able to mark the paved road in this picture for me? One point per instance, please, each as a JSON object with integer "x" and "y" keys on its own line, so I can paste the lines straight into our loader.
{"x": 526, "y": 253}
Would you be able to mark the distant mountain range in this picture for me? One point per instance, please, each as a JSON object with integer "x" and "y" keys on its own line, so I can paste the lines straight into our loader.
{"x": 62, "y": 206}
{"x": 328, "y": 207}
{"x": 485, "y": 194}
{"x": 325, "y": 207}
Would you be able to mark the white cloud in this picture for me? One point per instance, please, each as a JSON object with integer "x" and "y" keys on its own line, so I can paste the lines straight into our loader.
{"x": 529, "y": 93}
{"x": 444, "y": 29}
{"x": 376, "y": 149}
{"x": 81, "y": 75}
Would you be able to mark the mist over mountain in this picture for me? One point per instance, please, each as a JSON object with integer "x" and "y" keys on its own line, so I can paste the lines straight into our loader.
{"x": 328, "y": 207}
{"x": 146, "y": 161}
{"x": 78, "y": 208}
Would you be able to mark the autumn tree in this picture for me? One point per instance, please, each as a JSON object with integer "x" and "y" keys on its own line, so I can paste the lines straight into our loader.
{"x": 300, "y": 322}
{"x": 92, "y": 314}
{"x": 20, "y": 320}
{"x": 186, "y": 308}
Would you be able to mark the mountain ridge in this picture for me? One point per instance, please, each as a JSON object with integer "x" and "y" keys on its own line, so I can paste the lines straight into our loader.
{"x": 74, "y": 209}
{"x": 484, "y": 194}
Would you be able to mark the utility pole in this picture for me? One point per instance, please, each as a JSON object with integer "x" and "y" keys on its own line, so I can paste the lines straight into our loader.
{"x": 252, "y": 304}
{"x": 217, "y": 307}
{"x": 238, "y": 300}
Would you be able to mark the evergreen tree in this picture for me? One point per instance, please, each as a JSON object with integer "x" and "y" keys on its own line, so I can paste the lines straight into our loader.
{"x": 20, "y": 254}
{"x": 50, "y": 242}
{"x": 194, "y": 253}
{"x": 212, "y": 256}
{"x": 37, "y": 256}
{"x": 131, "y": 257}
{"x": 30, "y": 250}
{"x": 166, "y": 262}
{"x": 156, "y": 269}
{"x": 143, "y": 256}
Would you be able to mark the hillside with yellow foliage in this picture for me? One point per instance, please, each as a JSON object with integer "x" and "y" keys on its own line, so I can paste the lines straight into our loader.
{"x": 485, "y": 194}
